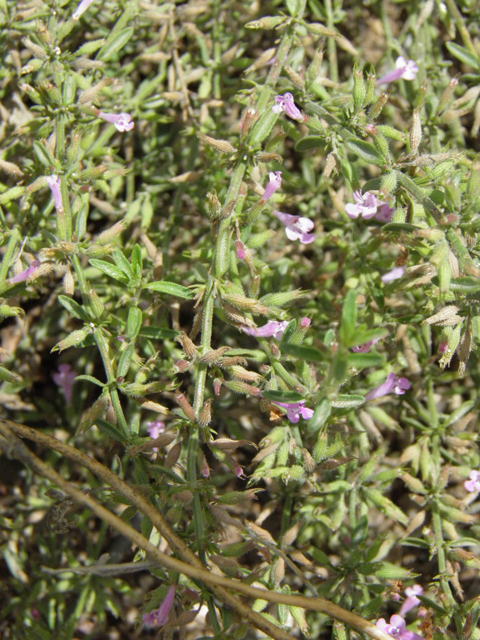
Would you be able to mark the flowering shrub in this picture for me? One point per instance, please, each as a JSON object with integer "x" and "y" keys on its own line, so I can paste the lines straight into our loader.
{"x": 250, "y": 423}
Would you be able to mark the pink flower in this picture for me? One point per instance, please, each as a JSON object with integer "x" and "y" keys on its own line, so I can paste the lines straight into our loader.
{"x": 368, "y": 206}
{"x": 406, "y": 69}
{"x": 295, "y": 410}
{"x": 82, "y": 7}
{"x": 287, "y": 104}
{"x": 394, "y": 274}
{"x": 305, "y": 322}
{"x": 154, "y": 429}
{"x": 392, "y": 383}
{"x": 25, "y": 275}
{"x": 239, "y": 471}
{"x": 65, "y": 377}
{"x": 365, "y": 348}
{"x": 275, "y": 182}
{"x": 411, "y": 601}
{"x": 160, "y": 616}
{"x": 473, "y": 484}
{"x": 397, "y": 628}
{"x": 54, "y": 182}
{"x": 273, "y": 328}
{"x": 122, "y": 121}
{"x": 296, "y": 228}
{"x": 240, "y": 249}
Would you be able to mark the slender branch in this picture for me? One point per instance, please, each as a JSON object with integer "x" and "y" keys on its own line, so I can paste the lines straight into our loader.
{"x": 13, "y": 447}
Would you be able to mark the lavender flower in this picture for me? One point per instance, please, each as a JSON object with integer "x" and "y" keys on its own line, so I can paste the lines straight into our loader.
{"x": 65, "y": 377}
{"x": 394, "y": 274}
{"x": 122, "y": 121}
{"x": 154, "y": 429}
{"x": 287, "y": 104}
{"x": 473, "y": 484}
{"x": 295, "y": 410}
{"x": 406, "y": 69}
{"x": 397, "y": 628}
{"x": 240, "y": 249}
{"x": 411, "y": 601}
{"x": 160, "y": 616}
{"x": 365, "y": 348}
{"x": 80, "y": 10}
{"x": 273, "y": 328}
{"x": 368, "y": 206}
{"x": 275, "y": 182}
{"x": 296, "y": 228}
{"x": 392, "y": 383}
{"x": 25, "y": 275}
{"x": 54, "y": 182}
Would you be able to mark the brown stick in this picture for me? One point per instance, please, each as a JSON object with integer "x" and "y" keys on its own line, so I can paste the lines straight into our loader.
{"x": 17, "y": 449}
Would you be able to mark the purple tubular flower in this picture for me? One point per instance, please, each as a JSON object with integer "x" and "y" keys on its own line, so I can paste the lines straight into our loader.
{"x": 287, "y": 104}
{"x": 295, "y": 410}
{"x": 240, "y": 249}
{"x": 82, "y": 7}
{"x": 394, "y": 274}
{"x": 392, "y": 383}
{"x": 384, "y": 213}
{"x": 154, "y": 429}
{"x": 397, "y": 628}
{"x": 273, "y": 328}
{"x": 165, "y": 607}
{"x": 65, "y": 377}
{"x": 296, "y": 228}
{"x": 160, "y": 616}
{"x": 473, "y": 484}
{"x": 122, "y": 121}
{"x": 406, "y": 69}
{"x": 365, "y": 348}
{"x": 411, "y": 601}
{"x": 54, "y": 182}
{"x": 25, "y": 275}
{"x": 275, "y": 182}
{"x": 369, "y": 206}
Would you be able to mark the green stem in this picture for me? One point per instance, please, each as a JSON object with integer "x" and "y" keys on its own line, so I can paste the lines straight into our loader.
{"x": 331, "y": 45}
{"x": 458, "y": 19}
{"x": 103, "y": 348}
{"x": 442, "y": 562}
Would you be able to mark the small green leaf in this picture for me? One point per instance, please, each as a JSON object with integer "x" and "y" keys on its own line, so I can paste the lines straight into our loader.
{"x": 9, "y": 376}
{"x": 362, "y": 360}
{"x": 170, "y": 288}
{"x": 310, "y": 142}
{"x": 113, "y": 45}
{"x": 348, "y": 401}
{"x": 134, "y": 322}
{"x": 74, "y": 308}
{"x": 395, "y": 227}
{"x": 110, "y": 269}
{"x": 157, "y": 333}
{"x": 349, "y": 317}
{"x": 123, "y": 264}
{"x": 109, "y": 429}
{"x": 365, "y": 151}
{"x": 321, "y": 415}
{"x": 91, "y": 379}
{"x": 125, "y": 360}
{"x": 463, "y": 55}
{"x": 466, "y": 284}
{"x": 282, "y": 396}
{"x": 309, "y": 354}
{"x": 137, "y": 262}
{"x": 288, "y": 333}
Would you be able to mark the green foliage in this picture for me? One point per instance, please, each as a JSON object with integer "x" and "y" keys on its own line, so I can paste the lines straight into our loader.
{"x": 141, "y": 271}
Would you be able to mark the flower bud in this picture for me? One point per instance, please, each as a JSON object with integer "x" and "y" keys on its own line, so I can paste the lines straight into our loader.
{"x": 359, "y": 89}
{"x": 173, "y": 455}
{"x": 185, "y": 405}
{"x": 415, "y": 134}
{"x": 72, "y": 340}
